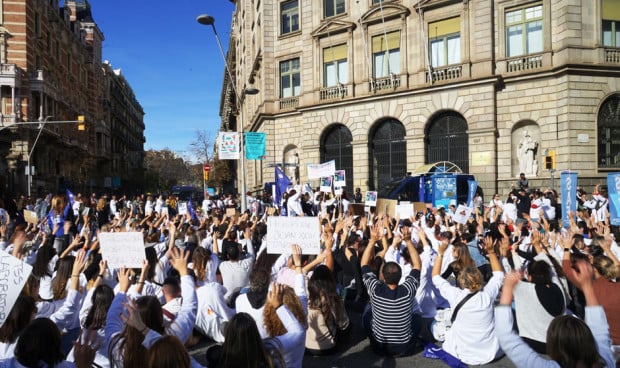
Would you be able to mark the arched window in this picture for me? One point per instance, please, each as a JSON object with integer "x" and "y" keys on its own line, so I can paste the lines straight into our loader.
{"x": 609, "y": 133}
{"x": 336, "y": 145}
{"x": 446, "y": 140}
{"x": 388, "y": 153}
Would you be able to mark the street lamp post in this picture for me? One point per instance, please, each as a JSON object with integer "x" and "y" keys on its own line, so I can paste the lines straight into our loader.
{"x": 208, "y": 20}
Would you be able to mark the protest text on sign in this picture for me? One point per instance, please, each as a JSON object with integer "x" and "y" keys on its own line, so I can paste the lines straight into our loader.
{"x": 284, "y": 231}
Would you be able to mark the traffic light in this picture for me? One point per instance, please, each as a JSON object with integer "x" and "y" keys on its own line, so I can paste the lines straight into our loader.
{"x": 206, "y": 175}
{"x": 205, "y": 171}
{"x": 81, "y": 123}
{"x": 550, "y": 160}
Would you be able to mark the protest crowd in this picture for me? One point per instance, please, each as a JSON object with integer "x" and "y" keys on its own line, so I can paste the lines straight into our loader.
{"x": 113, "y": 281}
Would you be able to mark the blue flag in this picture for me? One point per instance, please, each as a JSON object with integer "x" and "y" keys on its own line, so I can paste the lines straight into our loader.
{"x": 282, "y": 183}
{"x": 190, "y": 209}
{"x": 568, "y": 187}
{"x": 71, "y": 197}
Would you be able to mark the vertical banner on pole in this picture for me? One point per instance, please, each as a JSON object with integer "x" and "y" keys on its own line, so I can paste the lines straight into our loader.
{"x": 568, "y": 190}
{"x": 613, "y": 185}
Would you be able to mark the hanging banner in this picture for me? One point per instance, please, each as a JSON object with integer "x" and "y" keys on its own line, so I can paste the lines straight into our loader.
{"x": 613, "y": 185}
{"x": 228, "y": 145}
{"x": 472, "y": 185}
{"x": 255, "y": 145}
{"x": 568, "y": 191}
{"x": 13, "y": 276}
{"x": 321, "y": 170}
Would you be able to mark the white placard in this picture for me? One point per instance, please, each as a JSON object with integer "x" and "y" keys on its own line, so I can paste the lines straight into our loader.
{"x": 317, "y": 171}
{"x": 124, "y": 249}
{"x": 326, "y": 184}
{"x": 340, "y": 178}
{"x": 228, "y": 146}
{"x": 371, "y": 198}
{"x": 13, "y": 276}
{"x": 404, "y": 211}
{"x": 182, "y": 206}
{"x": 462, "y": 214}
{"x": 284, "y": 231}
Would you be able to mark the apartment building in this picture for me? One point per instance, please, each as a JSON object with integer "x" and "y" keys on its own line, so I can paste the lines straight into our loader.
{"x": 497, "y": 87}
{"x": 51, "y": 71}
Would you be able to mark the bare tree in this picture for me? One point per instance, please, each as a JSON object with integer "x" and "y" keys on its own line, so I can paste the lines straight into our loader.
{"x": 202, "y": 146}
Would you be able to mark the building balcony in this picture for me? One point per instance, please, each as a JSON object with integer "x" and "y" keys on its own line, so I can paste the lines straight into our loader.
{"x": 524, "y": 63}
{"x": 334, "y": 93}
{"x": 10, "y": 75}
{"x": 612, "y": 56}
{"x": 446, "y": 73}
{"x": 384, "y": 84}
{"x": 289, "y": 103}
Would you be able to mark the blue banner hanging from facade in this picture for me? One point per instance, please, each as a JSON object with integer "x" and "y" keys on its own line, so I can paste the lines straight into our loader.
{"x": 255, "y": 145}
{"x": 568, "y": 190}
{"x": 613, "y": 185}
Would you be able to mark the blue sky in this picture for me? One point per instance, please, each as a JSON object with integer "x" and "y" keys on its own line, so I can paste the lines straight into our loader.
{"x": 171, "y": 61}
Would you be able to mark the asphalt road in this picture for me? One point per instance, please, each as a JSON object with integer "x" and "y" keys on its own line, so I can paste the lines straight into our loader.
{"x": 358, "y": 354}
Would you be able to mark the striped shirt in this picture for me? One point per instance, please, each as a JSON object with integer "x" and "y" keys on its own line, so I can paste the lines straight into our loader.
{"x": 391, "y": 309}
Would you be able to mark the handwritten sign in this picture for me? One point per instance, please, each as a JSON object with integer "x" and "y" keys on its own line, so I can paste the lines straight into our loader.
{"x": 125, "y": 249}
{"x": 30, "y": 217}
{"x": 13, "y": 276}
{"x": 284, "y": 231}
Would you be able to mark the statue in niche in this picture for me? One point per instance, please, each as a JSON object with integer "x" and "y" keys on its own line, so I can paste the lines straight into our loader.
{"x": 526, "y": 154}
{"x": 292, "y": 166}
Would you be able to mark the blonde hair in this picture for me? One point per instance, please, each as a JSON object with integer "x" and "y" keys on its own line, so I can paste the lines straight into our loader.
{"x": 470, "y": 278}
{"x": 605, "y": 267}
{"x": 273, "y": 325}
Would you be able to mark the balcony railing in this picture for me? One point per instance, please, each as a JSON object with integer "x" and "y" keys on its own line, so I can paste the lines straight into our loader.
{"x": 386, "y": 83}
{"x": 444, "y": 74}
{"x": 9, "y": 70}
{"x": 289, "y": 103}
{"x": 612, "y": 55}
{"x": 524, "y": 63}
{"x": 333, "y": 93}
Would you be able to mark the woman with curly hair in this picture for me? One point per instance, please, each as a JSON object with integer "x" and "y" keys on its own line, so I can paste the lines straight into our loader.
{"x": 124, "y": 343}
{"x": 327, "y": 317}
{"x": 296, "y": 302}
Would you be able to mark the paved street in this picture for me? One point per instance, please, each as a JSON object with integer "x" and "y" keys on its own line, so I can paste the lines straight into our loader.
{"x": 357, "y": 354}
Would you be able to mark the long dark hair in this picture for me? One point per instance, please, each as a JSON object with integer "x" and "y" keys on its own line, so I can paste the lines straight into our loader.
{"x": 44, "y": 256}
{"x": 39, "y": 342}
{"x": 21, "y": 314}
{"x": 322, "y": 295}
{"x": 97, "y": 314}
{"x": 570, "y": 341}
{"x": 64, "y": 267}
{"x": 243, "y": 346}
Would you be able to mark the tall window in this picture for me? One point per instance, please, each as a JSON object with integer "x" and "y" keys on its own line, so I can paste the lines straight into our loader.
{"x": 388, "y": 153}
{"x": 332, "y": 7}
{"x": 611, "y": 23}
{"x": 336, "y": 145}
{"x": 446, "y": 140}
{"x": 609, "y": 133}
{"x": 290, "y": 82}
{"x": 289, "y": 16}
{"x": 445, "y": 42}
{"x": 386, "y": 54}
{"x": 335, "y": 67}
{"x": 524, "y": 31}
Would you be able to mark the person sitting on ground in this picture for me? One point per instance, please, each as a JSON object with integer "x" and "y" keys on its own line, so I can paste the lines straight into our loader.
{"x": 390, "y": 307}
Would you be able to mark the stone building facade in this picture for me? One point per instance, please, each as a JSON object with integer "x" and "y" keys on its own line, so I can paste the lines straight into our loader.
{"x": 51, "y": 71}
{"x": 385, "y": 87}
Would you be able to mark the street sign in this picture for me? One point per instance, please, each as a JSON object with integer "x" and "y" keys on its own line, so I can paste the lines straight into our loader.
{"x": 207, "y": 167}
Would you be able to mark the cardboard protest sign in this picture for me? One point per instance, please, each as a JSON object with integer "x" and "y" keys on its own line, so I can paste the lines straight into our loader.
{"x": 231, "y": 212}
{"x": 356, "y": 209}
{"x": 123, "y": 249}
{"x": 13, "y": 275}
{"x": 284, "y": 231}
{"x": 419, "y": 207}
{"x": 30, "y": 217}
{"x": 271, "y": 211}
{"x": 386, "y": 206}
